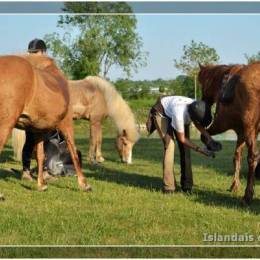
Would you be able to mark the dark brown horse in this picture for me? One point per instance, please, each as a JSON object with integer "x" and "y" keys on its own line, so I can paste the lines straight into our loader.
{"x": 34, "y": 95}
{"x": 241, "y": 114}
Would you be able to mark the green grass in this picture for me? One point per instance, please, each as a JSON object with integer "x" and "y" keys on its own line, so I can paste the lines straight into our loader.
{"x": 127, "y": 206}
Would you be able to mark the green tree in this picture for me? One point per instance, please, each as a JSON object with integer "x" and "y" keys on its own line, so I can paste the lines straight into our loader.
{"x": 193, "y": 55}
{"x": 253, "y": 58}
{"x": 183, "y": 86}
{"x": 92, "y": 44}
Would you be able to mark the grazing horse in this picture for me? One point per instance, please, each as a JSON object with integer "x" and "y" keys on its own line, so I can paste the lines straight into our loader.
{"x": 94, "y": 99}
{"x": 34, "y": 95}
{"x": 241, "y": 114}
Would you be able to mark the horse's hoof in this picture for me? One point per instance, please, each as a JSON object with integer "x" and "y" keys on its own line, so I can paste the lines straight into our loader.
{"x": 86, "y": 188}
{"x": 234, "y": 187}
{"x": 100, "y": 159}
{"x": 42, "y": 188}
{"x": 2, "y": 197}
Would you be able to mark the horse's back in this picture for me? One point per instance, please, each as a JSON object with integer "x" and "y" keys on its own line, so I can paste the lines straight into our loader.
{"x": 15, "y": 70}
{"x": 87, "y": 100}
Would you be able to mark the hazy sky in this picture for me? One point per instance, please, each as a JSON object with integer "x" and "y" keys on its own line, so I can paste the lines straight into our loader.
{"x": 163, "y": 36}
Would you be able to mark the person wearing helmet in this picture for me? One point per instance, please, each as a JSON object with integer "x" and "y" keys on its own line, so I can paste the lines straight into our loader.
{"x": 171, "y": 117}
{"x": 35, "y": 47}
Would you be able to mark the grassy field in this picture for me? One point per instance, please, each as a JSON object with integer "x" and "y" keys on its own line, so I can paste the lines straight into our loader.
{"x": 127, "y": 206}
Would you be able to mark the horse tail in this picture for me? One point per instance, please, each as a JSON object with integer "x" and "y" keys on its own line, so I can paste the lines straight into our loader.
{"x": 118, "y": 109}
{"x": 18, "y": 140}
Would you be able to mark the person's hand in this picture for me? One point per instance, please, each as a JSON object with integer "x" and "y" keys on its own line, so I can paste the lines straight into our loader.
{"x": 206, "y": 152}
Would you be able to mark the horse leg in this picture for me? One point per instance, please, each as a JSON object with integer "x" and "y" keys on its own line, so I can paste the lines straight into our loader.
{"x": 5, "y": 131}
{"x": 253, "y": 156}
{"x": 98, "y": 129}
{"x": 40, "y": 159}
{"x": 68, "y": 133}
{"x": 237, "y": 164}
{"x": 92, "y": 143}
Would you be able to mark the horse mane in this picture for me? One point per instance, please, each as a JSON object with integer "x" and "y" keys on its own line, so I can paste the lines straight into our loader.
{"x": 212, "y": 75}
{"x": 118, "y": 109}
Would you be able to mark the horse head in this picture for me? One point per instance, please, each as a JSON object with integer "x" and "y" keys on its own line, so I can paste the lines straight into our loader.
{"x": 209, "y": 86}
{"x": 124, "y": 147}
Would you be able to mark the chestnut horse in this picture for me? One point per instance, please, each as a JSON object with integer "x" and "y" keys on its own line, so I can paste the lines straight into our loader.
{"x": 241, "y": 115}
{"x": 94, "y": 99}
{"x": 34, "y": 95}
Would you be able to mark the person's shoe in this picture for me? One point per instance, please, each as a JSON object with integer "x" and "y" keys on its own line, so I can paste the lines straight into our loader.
{"x": 26, "y": 175}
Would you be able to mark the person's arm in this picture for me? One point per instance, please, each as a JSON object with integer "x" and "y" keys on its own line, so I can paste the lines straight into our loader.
{"x": 181, "y": 138}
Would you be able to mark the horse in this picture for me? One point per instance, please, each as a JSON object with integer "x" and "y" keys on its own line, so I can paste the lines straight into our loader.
{"x": 34, "y": 95}
{"x": 241, "y": 114}
{"x": 213, "y": 97}
{"x": 94, "y": 99}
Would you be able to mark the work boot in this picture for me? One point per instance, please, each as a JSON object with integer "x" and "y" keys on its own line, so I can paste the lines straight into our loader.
{"x": 26, "y": 175}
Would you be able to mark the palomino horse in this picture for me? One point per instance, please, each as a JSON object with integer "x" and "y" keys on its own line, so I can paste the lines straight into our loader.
{"x": 241, "y": 114}
{"x": 34, "y": 95}
{"x": 94, "y": 98}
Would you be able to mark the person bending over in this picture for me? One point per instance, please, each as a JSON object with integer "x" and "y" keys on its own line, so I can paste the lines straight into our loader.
{"x": 171, "y": 117}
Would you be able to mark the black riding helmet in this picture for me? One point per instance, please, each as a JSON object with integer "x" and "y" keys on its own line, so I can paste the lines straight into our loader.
{"x": 200, "y": 112}
{"x": 37, "y": 45}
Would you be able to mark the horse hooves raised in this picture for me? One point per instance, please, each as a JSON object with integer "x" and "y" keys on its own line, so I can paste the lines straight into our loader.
{"x": 42, "y": 188}
{"x": 86, "y": 188}
{"x": 2, "y": 197}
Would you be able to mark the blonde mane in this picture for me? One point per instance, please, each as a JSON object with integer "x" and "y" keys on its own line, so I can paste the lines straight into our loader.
{"x": 118, "y": 109}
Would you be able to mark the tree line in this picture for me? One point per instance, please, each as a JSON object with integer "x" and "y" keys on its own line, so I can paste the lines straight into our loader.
{"x": 181, "y": 86}
{"x": 92, "y": 44}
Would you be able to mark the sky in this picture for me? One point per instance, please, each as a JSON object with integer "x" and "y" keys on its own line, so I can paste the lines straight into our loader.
{"x": 163, "y": 37}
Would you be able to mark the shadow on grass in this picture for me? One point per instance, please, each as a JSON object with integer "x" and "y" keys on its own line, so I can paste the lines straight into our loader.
{"x": 207, "y": 197}
{"x": 9, "y": 174}
{"x": 215, "y": 198}
{"x": 7, "y": 154}
{"x": 127, "y": 179}
{"x": 151, "y": 150}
